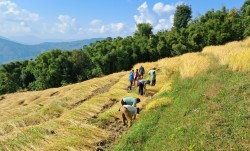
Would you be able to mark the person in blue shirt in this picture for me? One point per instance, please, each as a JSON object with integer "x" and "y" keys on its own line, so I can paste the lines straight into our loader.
{"x": 131, "y": 78}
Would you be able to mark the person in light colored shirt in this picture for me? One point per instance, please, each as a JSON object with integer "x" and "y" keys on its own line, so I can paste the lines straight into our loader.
{"x": 129, "y": 114}
{"x": 152, "y": 72}
{"x": 142, "y": 85}
{"x": 130, "y": 101}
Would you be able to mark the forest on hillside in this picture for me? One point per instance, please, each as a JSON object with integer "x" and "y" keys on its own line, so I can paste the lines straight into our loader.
{"x": 57, "y": 68}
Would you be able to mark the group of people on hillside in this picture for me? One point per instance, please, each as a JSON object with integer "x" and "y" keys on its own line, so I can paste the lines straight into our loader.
{"x": 129, "y": 109}
{"x": 136, "y": 79}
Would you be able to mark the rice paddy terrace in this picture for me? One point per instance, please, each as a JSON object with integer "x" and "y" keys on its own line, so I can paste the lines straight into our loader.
{"x": 84, "y": 116}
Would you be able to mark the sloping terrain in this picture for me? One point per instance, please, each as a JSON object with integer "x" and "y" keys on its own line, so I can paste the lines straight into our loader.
{"x": 13, "y": 51}
{"x": 206, "y": 106}
{"x": 84, "y": 116}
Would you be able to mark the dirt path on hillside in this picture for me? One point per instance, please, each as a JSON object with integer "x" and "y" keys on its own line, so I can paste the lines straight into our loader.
{"x": 117, "y": 129}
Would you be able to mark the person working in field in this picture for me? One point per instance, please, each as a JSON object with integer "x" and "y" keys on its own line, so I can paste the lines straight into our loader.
{"x": 130, "y": 101}
{"x": 142, "y": 85}
{"x": 129, "y": 114}
{"x": 131, "y": 78}
{"x": 136, "y": 76}
{"x": 141, "y": 71}
{"x": 152, "y": 72}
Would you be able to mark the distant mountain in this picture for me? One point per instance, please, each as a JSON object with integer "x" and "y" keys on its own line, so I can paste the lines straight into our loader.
{"x": 13, "y": 51}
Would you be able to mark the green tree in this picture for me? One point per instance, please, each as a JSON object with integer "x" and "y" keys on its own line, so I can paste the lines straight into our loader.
{"x": 144, "y": 30}
{"x": 10, "y": 79}
{"x": 51, "y": 69}
{"x": 245, "y": 14}
{"x": 182, "y": 16}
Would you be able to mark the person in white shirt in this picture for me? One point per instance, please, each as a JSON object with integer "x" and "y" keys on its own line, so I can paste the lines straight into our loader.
{"x": 129, "y": 114}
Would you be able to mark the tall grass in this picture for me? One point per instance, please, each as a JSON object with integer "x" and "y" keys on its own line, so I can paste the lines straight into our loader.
{"x": 193, "y": 64}
{"x": 234, "y": 54}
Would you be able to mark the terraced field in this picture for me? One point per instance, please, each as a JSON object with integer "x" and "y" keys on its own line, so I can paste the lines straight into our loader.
{"x": 84, "y": 116}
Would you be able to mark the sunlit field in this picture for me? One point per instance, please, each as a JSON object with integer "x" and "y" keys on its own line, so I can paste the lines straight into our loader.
{"x": 85, "y": 116}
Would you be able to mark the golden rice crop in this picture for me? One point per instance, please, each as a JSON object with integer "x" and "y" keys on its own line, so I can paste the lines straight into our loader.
{"x": 234, "y": 54}
{"x": 193, "y": 64}
{"x": 240, "y": 60}
{"x": 169, "y": 65}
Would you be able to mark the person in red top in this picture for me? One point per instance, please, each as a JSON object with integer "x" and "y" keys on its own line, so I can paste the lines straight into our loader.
{"x": 136, "y": 76}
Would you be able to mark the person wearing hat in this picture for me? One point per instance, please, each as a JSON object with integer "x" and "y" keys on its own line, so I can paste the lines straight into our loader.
{"x": 129, "y": 114}
{"x": 142, "y": 85}
{"x": 130, "y": 101}
{"x": 153, "y": 76}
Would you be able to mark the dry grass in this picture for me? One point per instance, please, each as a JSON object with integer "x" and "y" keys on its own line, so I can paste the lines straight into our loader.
{"x": 240, "y": 60}
{"x": 234, "y": 54}
{"x": 62, "y": 118}
{"x": 193, "y": 64}
{"x": 169, "y": 66}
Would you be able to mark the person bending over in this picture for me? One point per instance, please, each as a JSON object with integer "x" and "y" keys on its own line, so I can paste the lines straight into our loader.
{"x": 142, "y": 85}
{"x": 129, "y": 114}
{"x": 130, "y": 101}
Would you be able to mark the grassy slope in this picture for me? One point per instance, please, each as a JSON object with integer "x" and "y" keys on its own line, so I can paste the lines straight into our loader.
{"x": 208, "y": 112}
{"x": 200, "y": 101}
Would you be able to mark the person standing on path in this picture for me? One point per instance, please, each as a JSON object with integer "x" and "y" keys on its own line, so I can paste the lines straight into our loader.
{"x": 136, "y": 77}
{"x": 152, "y": 72}
{"x": 131, "y": 78}
{"x": 141, "y": 71}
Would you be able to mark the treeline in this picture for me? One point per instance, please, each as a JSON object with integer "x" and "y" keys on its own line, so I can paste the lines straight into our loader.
{"x": 58, "y": 68}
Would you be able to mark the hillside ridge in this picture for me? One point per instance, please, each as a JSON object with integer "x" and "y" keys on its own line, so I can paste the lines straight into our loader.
{"x": 14, "y": 51}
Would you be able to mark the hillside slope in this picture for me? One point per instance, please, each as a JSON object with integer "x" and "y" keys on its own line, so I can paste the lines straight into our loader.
{"x": 206, "y": 108}
{"x": 13, "y": 51}
{"x": 196, "y": 94}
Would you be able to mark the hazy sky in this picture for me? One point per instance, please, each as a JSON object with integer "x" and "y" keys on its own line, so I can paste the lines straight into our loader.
{"x": 35, "y": 21}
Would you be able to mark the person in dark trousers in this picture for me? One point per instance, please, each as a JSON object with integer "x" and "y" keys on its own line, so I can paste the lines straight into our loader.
{"x": 141, "y": 71}
{"x": 142, "y": 85}
{"x": 152, "y": 72}
{"x": 131, "y": 78}
{"x": 130, "y": 101}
